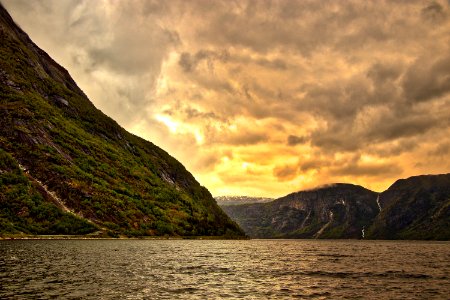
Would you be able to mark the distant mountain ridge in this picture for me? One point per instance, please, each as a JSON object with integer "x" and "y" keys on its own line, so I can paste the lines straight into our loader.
{"x": 413, "y": 208}
{"x": 67, "y": 168}
{"x": 236, "y": 200}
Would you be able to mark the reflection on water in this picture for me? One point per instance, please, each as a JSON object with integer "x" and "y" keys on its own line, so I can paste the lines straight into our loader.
{"x": 194, "y": 269}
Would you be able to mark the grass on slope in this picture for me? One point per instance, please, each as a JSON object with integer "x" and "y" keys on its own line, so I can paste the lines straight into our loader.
{"x": 117, "y": 180}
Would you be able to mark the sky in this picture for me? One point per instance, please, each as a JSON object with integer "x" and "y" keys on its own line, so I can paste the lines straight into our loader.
{"x": 264, "y": 98}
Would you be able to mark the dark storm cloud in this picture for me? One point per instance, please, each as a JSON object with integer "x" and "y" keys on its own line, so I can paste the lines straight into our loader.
{"x": 395, "y": 148}
{"x": 354, "y": 26}
{"x": 186, "y": 62}
{"x": 285, "y": 173}
{"x": 245, "y": 138}
{"x": 192, "y": 113}
{"x": 428, "y": 78}
{"x": 293, "y": 140}
{"x": 266, "y": 25}
{"x": 312, "y": 164}
{"x": 403, "y": 126}
{"x": 340, "y": 101}
{"x": 361, "y": 88}
{"x": 278, "y": 63}
{"x": 441, "y": 150}
{"x": 388, "y": 92}
{"x": 368, "y": 170}
{"x": 350, "y": 166}
{"x": 189, "y": 62}
{"x": 434, "y": 12}
{"x": 207, "y": 162}
{"x": 403, "y": 123}
{"x": 383, "y": 72}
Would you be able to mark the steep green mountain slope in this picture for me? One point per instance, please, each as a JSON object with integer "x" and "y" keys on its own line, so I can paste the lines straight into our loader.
{"x": 414, "y": 208}
{"x": 335, "y": 211}
{"x": 25, "y": 206}
{"x": 68, "y": 168}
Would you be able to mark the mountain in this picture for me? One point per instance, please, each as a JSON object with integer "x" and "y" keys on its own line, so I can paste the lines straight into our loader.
{"x": 67, "y": 168}
{"x": 236, "y": 200}
{"x": 334, "y": 211}
{"x": 414, "y": 208}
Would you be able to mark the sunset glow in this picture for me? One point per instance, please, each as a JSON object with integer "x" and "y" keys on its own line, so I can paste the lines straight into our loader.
{"x": 264, "y": 98}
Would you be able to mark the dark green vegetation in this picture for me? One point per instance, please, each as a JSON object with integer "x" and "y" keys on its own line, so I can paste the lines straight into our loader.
{"x": 67, "y": 168}
{"x": 24, "y": 208}
{"x": 413, "y": 208}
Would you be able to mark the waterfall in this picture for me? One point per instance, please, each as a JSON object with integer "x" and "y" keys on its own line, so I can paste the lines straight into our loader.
{"x": 378, "y": 202}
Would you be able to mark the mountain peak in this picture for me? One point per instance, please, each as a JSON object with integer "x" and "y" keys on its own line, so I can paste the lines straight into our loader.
{"x": 68, "y": 168}
{"x": 333, "y": 186}
{"x": 337, "y": 210}
{"x": 413, "y": 208}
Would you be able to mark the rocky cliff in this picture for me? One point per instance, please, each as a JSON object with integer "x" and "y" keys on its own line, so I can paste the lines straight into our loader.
{"x": 68, "y": 168}
{"x": 335, "y": 211}
{"x": 414, "y": 208}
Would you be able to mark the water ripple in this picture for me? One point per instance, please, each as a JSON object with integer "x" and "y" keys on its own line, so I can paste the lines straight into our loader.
{"x": 256, "y": 269}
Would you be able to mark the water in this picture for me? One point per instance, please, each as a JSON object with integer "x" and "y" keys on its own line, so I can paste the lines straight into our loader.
{"x": 195, "y": 269}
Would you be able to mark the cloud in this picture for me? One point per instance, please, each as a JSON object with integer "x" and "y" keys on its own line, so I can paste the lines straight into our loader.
{"x": 207, "y": 162}
{"x": 295, "y": 140}
{"x": 189, "y": 62}
{"x": 434, "y": 12}
{"x": 441, "y": 150}
{"x": 264, "y": 97}
{"x": 244, "y": 138}
{"x": 115, "y": 52}
{"x": 382, "y": 73}
{"x": 312, "y": 164}
{"x": 428, "y": 78}
{"x": 368, "y": 170}
{"x": 285, "y": 173}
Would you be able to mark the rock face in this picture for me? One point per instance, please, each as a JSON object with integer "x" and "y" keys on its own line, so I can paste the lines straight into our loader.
{"x": 414, "y": 208}
{"x": 68, "y": 168}
{"x": 335, "y": 211}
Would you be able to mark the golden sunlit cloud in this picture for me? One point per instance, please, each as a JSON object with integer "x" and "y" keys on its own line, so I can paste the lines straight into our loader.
{"x": 263, "y": 98}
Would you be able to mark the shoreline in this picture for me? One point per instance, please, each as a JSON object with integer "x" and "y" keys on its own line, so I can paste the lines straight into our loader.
{"x": 82, "y": 237}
